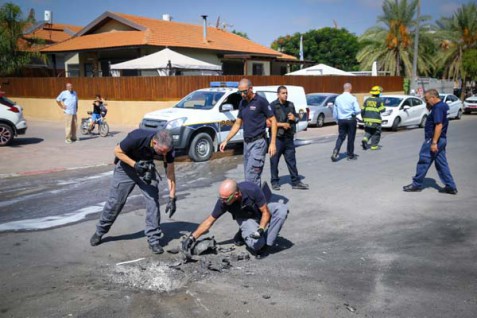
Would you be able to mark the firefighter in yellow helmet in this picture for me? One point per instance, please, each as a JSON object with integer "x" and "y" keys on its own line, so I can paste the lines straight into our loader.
{"x": 371, "y": 113}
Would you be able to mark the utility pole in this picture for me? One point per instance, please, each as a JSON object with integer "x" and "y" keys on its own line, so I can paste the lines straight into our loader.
{"x": 416, "y": 49}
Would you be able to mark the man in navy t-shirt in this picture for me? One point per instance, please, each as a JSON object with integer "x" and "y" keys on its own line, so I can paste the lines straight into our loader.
{"x": 254, "y": 111}
{"x": 259, "y": 222}
{"x": 434, "y": 147}
{"x": 133, "y": 157}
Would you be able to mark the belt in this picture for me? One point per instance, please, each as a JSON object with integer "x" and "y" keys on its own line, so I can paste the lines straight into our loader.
{"x": 247, "y": 140}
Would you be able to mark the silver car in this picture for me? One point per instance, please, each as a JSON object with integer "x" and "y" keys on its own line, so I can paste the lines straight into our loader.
{"x": 321, "y": 108}
{"x": 455, "y": 105}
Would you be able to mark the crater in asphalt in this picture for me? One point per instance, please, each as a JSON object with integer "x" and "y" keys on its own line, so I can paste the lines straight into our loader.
{"x": 148, "y": 275}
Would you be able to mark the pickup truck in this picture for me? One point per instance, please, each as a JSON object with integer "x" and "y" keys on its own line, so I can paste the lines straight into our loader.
{"x": 201, "y": 121}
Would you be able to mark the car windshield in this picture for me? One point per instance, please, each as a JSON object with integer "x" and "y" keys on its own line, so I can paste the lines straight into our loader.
{"x": 392, "y": 101}
{"x": 6, "y": 101}
{"x": 200, "y": 100}
{"x": 315, "y": 100}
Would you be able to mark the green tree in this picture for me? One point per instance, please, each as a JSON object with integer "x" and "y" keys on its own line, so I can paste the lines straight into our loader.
{"x": 469, "y": 63}
{"x": 456, "y": 36}
{"x": 392, "y": 45}
{"x": 331, "y": 46}
{"x": 12, "y": 25}
{"x": 242, "y": 34}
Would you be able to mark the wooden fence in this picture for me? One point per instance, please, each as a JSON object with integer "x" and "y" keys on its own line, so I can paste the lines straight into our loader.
{"x": 176, "y": 87}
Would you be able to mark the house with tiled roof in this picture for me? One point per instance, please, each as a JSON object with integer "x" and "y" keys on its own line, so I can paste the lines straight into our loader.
{"x": 116, "y": 37}
{"x": 42, "y": 35}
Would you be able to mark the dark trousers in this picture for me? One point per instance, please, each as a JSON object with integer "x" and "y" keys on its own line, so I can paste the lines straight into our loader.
{"x": 373, "y": 134}
{"x": 426, "y": 158}
{"x": 346, "y": 127}
{"x": 286, "y": 147}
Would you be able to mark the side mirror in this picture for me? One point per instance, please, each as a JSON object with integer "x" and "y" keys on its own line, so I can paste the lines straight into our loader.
{"x": 301, "y": 114}
{"x": 329, "y": 104}
{"x": 227, "y": 107}
{"x": 448, "y": 102}
{"x": 406, "y": 107}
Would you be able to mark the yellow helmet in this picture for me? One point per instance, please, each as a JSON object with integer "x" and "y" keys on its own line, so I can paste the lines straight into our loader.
{"x": 376, "y": 90}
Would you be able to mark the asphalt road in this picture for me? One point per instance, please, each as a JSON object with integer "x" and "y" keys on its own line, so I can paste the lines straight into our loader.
{"x": 354, "y": 244}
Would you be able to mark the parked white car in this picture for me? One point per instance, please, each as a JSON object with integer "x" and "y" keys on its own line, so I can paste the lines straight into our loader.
{"x": 470, "y": 104}
{"x": 455, "y": 105}
{"x": 203, "y": 119}
{"x": 401, "y": 110}
{"x": 12, "y": 122}
{"x": 321, "y": 108}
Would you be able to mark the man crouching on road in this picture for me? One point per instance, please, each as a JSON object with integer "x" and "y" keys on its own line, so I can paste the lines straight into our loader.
{"x": 248, "y": 206}
{"x": 134, "y": 156}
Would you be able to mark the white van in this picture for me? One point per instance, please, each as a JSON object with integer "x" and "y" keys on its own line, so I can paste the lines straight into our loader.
{"x": 203, "y": 119}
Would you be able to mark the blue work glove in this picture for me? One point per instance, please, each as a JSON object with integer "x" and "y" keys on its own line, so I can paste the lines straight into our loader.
{"x": 257, "y": 234}
{"x": 171, "y": 207}
{"x": 140, "y": 167}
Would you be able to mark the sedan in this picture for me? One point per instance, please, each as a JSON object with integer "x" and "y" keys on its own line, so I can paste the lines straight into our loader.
{"x": 470, "y": 104}
{"x": 321, "y": 108}
{"x": 455, "y": 105}
{"x": 401, "y": 110}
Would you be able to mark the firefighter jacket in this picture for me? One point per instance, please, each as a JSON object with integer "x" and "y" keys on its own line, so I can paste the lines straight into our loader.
{"x": 371, "y": 112}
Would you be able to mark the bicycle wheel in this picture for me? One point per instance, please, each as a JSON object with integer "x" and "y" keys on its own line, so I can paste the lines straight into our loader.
{"x": 103, "y": 129}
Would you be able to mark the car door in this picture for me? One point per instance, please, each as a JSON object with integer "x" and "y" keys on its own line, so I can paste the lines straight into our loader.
{"x": 328, "y": 109}
{"x": 418, "y": 110}
{"x": 406, "y": 114}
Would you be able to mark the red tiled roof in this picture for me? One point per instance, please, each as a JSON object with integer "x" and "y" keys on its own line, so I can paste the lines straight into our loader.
{"x": 166, "y": 34}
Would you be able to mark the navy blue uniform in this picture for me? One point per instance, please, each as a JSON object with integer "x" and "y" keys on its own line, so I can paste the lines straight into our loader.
{"x": 246, "y": 213}
{"x": 285, "y": 144}
{"x": 138, "y": 146}
{"x": 437, "y": 115}
{"x": 254, "y": 115}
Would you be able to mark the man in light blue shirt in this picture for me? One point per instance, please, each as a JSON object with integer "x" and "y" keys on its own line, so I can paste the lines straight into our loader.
{"x": 68, "y": 102}
{"x": 344, "y": 112}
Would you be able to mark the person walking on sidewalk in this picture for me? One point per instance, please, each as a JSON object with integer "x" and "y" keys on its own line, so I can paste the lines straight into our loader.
{"x": 371, "y": 114}
{"x": 287, "y": 118}
{"x": 345, "y": 111}
{"x": 134, "y": 166}
{"x": 434, "y": 147}
{"x": 253, "y": 113}
{"x": 260, "y": 222}
{"x": 68, "y": 102}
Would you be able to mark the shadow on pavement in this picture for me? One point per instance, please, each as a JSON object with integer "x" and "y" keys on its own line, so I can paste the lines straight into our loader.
{"x": 18, "y": 142}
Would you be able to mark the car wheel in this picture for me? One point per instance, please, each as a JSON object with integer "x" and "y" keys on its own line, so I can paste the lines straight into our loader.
{"x": 320, "y": 121}
{"x": 201, "y": 148}
{"x": 103, "y": 129}
{"x": 396, "y": 123}
{"x": 423, "y": 121}
{"x": 6, "y": 135}
{"x": 459, "y": 115}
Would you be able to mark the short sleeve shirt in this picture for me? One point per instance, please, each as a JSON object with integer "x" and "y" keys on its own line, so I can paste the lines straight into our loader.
{"x": 137, "y": 146}
{"x": 254, "y": 115}
{"x": 248, "y": 208}
{"x": 437, "y": 115}
{"x": 70, "y": 99}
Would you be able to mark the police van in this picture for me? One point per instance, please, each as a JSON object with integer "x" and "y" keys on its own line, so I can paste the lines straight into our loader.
{"x": 203, "y": 119}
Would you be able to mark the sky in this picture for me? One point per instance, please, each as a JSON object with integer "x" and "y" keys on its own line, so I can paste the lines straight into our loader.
{"x": 262, "y": 20}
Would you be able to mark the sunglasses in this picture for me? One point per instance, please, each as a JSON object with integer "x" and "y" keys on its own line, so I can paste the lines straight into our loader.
{"x": 243, "y": 91}
{"x": 227, "y": 199}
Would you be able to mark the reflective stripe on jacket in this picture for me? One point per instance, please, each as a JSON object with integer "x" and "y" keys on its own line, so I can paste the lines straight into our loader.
{"x": 372, "y": 109}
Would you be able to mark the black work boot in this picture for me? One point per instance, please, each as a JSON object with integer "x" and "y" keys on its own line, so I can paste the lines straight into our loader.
{"x": 238, "y": 239}
{"x": 334, "y": 156}
{"x": 156, "y": 248}
{"x": 95, "y": 239}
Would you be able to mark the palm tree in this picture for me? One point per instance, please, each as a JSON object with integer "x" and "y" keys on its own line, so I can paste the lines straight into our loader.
{"x": 456, "y": 35}
{"x": 391, "y": 45}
